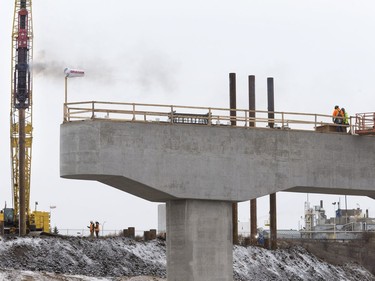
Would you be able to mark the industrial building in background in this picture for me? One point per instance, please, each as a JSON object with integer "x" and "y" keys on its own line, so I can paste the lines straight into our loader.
{"x": 20, "y": 217}
{"x": 346, "y": 224}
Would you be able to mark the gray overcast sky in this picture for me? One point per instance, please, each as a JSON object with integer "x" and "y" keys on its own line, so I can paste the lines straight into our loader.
{"x": 321, "y": 53}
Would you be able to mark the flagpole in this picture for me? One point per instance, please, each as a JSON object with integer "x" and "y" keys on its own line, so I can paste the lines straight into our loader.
{"x": 66, "y": 99}
{"x": 70, "y": 73}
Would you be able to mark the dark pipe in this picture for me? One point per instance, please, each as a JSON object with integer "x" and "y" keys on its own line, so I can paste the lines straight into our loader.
{"x": 232, "y": 101}
{"x": 253, "y": 202}
{"x": 253, "y": 220}
{"x": 271, "y": 117}
{"x": 252, "y": 99}
{"x": 273, "y": 226}
{"x": 232, "y": 97}
{"x": 271, "y": 107}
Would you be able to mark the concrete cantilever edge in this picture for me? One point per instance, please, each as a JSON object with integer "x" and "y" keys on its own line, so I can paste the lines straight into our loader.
{"x": 161, "y": 162}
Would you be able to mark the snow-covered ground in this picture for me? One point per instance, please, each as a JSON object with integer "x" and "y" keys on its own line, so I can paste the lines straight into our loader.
{"x": 25, "y": 275}
{"x": 76, "y": 259}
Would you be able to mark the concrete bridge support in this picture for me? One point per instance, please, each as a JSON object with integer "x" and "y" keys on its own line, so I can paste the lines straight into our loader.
{"x": 201, "y": 170}
{"x": 199, "y": 240}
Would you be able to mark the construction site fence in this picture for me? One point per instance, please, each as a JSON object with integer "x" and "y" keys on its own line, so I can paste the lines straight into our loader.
{"x": 209, "y": 116}
{"x": 315, "y": 235}
{"x": 244, "y": 237}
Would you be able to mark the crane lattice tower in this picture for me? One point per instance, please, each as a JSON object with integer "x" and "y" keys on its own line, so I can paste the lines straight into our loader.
{"x": 21, "y": 106}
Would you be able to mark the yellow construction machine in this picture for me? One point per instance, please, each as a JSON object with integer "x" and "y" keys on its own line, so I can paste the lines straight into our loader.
{"x": 20, "y": 218}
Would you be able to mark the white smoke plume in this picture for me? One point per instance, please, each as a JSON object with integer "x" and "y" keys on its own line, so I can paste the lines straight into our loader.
{"x": 144, "y": 70}
{"x": 43, "y": 66}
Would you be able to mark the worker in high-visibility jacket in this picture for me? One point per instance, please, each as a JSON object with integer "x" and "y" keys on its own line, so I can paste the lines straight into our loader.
{"x": 97, "y": 229}
{"x": 337, "y": 118}
{"x": 335, "y": 112}
{"x": 345, "y": 120}
{"x": 91, "y": 227}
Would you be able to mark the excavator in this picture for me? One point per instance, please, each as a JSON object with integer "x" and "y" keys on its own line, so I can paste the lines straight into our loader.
{"x": 20, "y": 218}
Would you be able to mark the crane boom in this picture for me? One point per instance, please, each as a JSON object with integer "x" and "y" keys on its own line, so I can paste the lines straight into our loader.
{"x": 21, "y": 110}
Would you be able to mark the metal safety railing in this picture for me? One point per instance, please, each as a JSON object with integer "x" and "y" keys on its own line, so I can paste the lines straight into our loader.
{"x": 365, "y": 123}
{"x": 209, "y": 116}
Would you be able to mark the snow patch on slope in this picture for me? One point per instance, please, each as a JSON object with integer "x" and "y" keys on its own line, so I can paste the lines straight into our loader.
{"x": 118, "y": 258}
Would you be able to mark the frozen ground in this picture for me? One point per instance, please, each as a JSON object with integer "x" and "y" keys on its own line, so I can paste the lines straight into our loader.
{"x": 78, "y": 259}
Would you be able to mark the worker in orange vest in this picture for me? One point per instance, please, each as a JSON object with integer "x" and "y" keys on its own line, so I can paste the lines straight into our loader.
{"x": 336, "y": 118}
{"x": 91, "y": 227}
{"x": 97, "y": 229}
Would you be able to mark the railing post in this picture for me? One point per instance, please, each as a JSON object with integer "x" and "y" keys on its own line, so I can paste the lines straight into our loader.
{"x": 93, "y": 110}
{"x": 65, "y": 110}
{"x": 209, "y": 117}
{"x": 246, "y": 118}
{"x": 316, "y": 121}
{"x": 172, "y": 114}
{"x": 282, "y": 120}
{"x": 133, "y": 112}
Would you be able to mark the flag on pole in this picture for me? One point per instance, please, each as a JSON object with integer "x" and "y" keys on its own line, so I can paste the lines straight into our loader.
{"x": 70, "y": 73}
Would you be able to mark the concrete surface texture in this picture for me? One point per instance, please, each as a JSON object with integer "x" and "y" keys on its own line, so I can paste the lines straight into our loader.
{"x": 199, "y": 242}
{"x": 161, "y": 162}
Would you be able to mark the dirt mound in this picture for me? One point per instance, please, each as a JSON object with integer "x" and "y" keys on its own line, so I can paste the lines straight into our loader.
{"x": 77, "y": 258}
{"x": 83, "y": 256}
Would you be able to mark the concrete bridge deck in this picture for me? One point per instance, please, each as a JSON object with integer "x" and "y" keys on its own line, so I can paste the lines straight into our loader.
{"x": 200, "y": 169}
{"x": 161, "y": 162}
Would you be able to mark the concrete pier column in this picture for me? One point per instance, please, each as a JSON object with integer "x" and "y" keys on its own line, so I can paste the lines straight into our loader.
{"x": 199, "y": 240}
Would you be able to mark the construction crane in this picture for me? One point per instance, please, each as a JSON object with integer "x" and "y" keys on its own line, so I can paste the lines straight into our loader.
{"x": 21, "y": 127}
